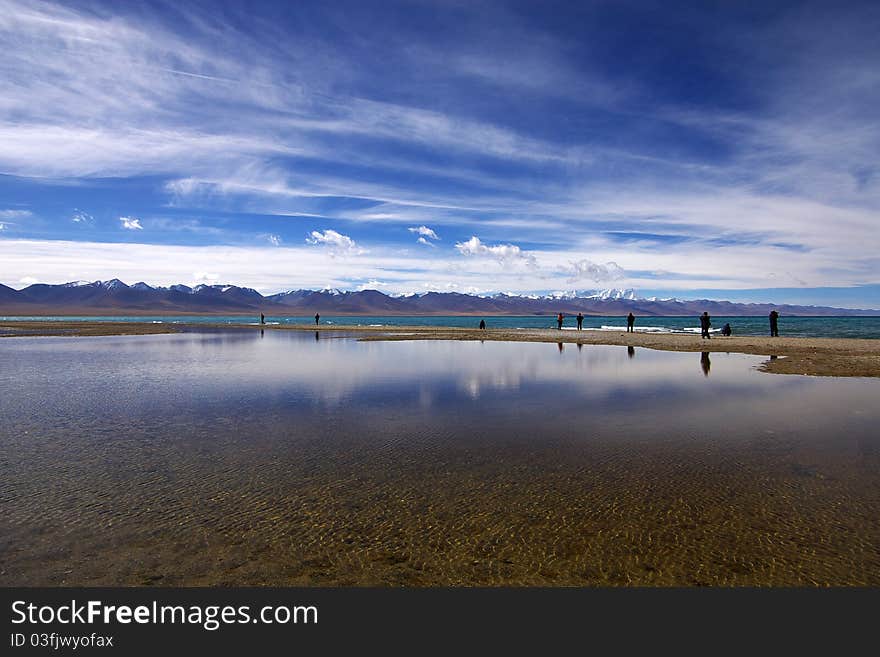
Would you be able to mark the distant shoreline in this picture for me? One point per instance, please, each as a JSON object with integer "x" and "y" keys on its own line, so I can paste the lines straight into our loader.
{"x": 837, "y": 357}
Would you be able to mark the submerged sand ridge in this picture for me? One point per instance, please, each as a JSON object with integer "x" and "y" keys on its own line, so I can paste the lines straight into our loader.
{"x": 806, "y": 356}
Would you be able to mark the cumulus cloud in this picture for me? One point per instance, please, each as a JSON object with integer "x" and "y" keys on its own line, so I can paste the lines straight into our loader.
{"x": 422, "y": 240}
{"x": 2, "y": 226}
{"x": 337, "y": 243}
{"x": 504, "y": 254}
{"x": 424, "y": 232}
{"x": 274, "y": 240}
{"x": 587, "y": 270}
{"x": 131, "y": 223}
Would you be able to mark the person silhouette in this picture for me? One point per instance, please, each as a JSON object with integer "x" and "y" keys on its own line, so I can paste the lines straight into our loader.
{"x": 317, "y": 318}
{"x": 726, "y": 330}
{"x": 630, "y": 321}
{"x": 559, "y": 321}
{"x": 705, "y": 363}
{"x": 774, "y": 324}
{"x": 482, "y": 324}
{"x": 705, "y": 323}
{"x": 262, "y": 318}
{"x": 580, "y": 319}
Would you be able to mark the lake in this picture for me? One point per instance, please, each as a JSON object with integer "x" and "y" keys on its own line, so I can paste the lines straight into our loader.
{"x": 793, "y": 327}
{"x": 229, "y": 458}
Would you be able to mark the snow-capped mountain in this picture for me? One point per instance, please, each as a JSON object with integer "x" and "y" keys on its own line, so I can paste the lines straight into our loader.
{"x": 114, "y": 296}
{"x": 613, "y": 293}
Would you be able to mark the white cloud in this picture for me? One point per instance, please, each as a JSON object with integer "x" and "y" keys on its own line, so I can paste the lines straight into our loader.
{"x": 372, "y": 285}
{"x": 274, "y": 240}
{"x": 424, "y": 231}
{"x": 504, "y": 254}
{"x": 2, "y": 226}
{"x": 337, "y": 243}
{"x": 205, "y": 278}
{"x": 15, "y": 214}
{"x": 28, "y": 280}
{"x": 586, "y": 270}
{"x": 150, "y": 75}
{"x": 276, "y": 269}
{"x": 131, "y": 223}
{"x": 801, "y": 172}
{"x": 81, "y": 217}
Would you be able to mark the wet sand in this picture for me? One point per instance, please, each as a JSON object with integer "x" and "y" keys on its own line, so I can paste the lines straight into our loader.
{"x": 806, "y": 356}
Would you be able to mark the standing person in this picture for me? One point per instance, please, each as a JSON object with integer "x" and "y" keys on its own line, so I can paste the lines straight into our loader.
{"x": 580, "y": 319}
{"x": 774, "y": 324}
{"x": 705, "y": 323}
{"x": 630, "y": 321}
{"x": 559, "y": 321}
{"x": 262, "y": 318}
{"x": 482, "y": 324}
{"x": 317, "y": 318}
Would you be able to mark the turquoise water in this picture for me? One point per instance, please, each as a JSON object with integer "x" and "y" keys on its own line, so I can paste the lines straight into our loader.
{"x": 817, "y": 327}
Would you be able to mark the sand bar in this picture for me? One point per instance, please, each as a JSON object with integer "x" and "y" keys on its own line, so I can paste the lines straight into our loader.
{"x": 805, "y": 356}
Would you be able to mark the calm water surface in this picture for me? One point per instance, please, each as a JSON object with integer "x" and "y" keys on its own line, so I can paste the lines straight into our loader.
{"x": 228, "y": 458}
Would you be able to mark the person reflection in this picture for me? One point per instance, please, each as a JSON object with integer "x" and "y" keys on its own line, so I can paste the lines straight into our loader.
{"x": 705, "y": 363}
{"x": 262, "y": 333}
{"x": 580, "y": 346}
{"x": 317, "y": 335}
{"x": 559, "y": 344}
{"x": 630, "y": 351}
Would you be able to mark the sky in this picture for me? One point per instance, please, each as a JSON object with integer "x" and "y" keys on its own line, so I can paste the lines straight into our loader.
{"x": 722, "y": 150}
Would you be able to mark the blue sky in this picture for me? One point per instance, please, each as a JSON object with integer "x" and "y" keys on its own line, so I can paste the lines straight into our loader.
{"x": 690, "y": 149}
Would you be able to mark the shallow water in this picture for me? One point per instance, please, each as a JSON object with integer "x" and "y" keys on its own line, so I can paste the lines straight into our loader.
{"x": 227, "y": 458}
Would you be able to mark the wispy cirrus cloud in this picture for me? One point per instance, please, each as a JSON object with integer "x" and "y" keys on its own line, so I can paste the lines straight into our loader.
{"x": 15, "y": 214}
{"x": 528, "y": 133}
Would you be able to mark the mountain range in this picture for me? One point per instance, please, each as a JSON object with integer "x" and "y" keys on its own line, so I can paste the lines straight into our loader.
{"x": 114, "y": 297}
